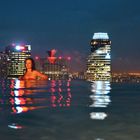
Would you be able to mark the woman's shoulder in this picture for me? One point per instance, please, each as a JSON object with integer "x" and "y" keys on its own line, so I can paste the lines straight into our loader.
{"x": 36, "y": 72}
{"x": 41, "y": 75}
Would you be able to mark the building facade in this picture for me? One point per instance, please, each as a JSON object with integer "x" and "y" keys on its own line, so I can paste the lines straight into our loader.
{"x": 56, "y": 68}
{"x": 3, "y": 65}
{"x": 16, "y": 56}
{"x": 99, "y": 59}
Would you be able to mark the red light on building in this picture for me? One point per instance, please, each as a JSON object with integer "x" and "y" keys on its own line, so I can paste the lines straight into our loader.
{"x": 60, "y": 57}
{"x": 69, "y": 58}
{"x": 52, "y": 59}
{"x": 36, "y": 57}
{"x": 52, "y": 53}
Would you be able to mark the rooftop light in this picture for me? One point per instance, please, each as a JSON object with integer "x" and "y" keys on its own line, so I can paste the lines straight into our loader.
{"x": 100, "y": 36}
{"x": 20, "y": 47}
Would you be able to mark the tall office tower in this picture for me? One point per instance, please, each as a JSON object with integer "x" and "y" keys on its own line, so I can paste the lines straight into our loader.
{"x": 99, "y": 60}
{"x": 17, "y": 55}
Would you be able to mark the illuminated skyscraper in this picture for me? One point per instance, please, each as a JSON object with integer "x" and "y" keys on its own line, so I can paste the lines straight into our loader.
{"x": 99, "y": 60}
{"x": 16, "y": 57}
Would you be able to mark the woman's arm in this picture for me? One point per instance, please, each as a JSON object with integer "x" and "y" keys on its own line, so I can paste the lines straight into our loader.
{"x": 41, "y": 75}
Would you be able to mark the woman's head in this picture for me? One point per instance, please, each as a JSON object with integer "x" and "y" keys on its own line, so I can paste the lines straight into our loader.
{"x": 29, "y": 63}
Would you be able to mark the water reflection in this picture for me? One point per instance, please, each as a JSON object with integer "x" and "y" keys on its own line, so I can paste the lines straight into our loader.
{"x": 19, "y": 99}
{"x": 32, "y": 95}
{"x": 15, "y": 126}
{"x": 100, "y": 98}
{"x": 60, "y": 97}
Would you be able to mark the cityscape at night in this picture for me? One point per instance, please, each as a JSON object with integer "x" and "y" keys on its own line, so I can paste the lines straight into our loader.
{"x": 68, "y": 26}
{"x": 97, "y": 68}
{"x": 69, "y": 70}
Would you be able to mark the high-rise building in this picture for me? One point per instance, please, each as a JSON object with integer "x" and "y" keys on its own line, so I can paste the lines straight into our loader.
{"x": 99, "y": 60}
{"x": 56, "y": 68}
{"x": 17, "y": 55}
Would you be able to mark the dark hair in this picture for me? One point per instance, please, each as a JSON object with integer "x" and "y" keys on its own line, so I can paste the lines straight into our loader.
{"x": 33, "y": 62}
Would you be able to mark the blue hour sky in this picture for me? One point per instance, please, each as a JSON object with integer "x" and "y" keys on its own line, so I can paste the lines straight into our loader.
{"x": 68, "y": 26}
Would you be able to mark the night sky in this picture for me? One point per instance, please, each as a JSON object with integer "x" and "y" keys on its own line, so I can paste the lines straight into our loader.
{"x": 68, "y": 26}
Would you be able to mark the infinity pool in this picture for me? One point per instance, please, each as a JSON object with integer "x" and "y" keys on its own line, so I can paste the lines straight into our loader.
{"x": 69, "y": 110}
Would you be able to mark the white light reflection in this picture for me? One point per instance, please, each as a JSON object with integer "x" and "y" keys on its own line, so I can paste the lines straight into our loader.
{"x": 17, "y": 84}
{"x": 100, "y": 98}
{"x": 17, "y": 101}
{"x": 98, "y": 115}
{"x": 15, "y": 126}
{"x": 19, "y": 109}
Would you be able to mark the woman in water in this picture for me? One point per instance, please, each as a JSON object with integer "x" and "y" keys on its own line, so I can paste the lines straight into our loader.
{"x": 31, "y": 73}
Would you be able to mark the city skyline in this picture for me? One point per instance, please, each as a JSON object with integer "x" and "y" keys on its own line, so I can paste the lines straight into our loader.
{"x": 68, "y": 26}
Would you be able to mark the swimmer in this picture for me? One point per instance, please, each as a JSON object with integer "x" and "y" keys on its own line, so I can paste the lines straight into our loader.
{"x": 31, "y": 72}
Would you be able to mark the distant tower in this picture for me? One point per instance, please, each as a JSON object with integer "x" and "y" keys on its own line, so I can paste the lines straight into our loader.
{"x": 16, "y": 57}
{"x": 99, "y": 60}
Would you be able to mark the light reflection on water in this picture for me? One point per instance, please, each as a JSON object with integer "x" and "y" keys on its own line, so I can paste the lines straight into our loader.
{"x": 22, "y": 96}
{"x": 65, "y": 110}
{"x": 100, "y": 98}
{"x": 22, "y": 101}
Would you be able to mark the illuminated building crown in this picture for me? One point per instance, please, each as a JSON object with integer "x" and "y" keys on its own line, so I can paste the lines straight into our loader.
{"x": 100, "y": 36}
